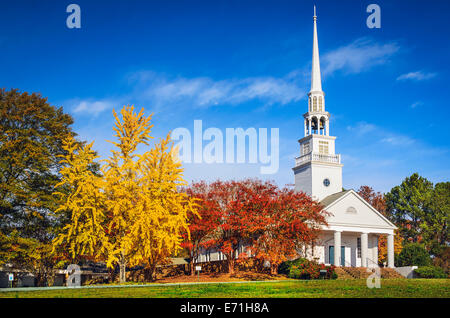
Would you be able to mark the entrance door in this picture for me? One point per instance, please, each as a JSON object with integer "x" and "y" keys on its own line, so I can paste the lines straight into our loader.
{"x": 331, "y": 253}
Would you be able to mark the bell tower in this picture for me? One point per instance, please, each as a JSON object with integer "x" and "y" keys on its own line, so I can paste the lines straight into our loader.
{"x": 318, "y": 170}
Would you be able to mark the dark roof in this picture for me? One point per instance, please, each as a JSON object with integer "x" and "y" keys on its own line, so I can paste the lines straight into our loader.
{"x": 331, "y": 198}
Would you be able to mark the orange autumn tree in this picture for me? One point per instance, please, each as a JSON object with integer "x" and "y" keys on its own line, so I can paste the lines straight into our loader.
{"x": 289, "y": 221}
{"x": 201, "y": 225}
{"x": 270, "y": 223}
{"x": 376, "y": 199}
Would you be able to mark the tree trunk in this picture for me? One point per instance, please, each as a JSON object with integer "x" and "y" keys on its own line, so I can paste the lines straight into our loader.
{"x": 112, "y": 275}
{"x": 51, "y": 277}
{"x": 122, "y": 268}
{"x": 273, "y": 269}
{"x": 231, "y": 265}
{"x": 150, "y": 270}
{"x": 194, "y": 255}
{"x": 192, "y": 268}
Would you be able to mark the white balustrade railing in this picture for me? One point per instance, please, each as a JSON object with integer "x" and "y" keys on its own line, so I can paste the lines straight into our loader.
{"x": 319, "y": 157}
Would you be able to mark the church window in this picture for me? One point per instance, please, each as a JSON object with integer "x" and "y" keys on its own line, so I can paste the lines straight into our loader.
{"x": 351, "y": 210}
{"x": 309, "y": 104}
{"x": 306, "y": 149}
{"x": 315, "y": 104}
{"x": 323, "y": 147}
{"x": 320, "y": 104}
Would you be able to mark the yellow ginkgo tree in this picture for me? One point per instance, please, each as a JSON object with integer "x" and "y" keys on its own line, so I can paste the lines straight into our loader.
{"x": 132, "y": 214}
{"x": 123, "y": 183}
{"x": 145, "y": 211}
{"x": 82, "y": 198}
{"x": 156, "y": 232}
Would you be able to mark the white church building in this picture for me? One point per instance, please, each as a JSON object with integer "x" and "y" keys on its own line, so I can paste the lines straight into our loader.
{"x": 354, "y": 226}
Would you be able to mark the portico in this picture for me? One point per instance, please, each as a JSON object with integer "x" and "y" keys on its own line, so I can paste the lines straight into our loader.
{"x": 358, "y": 249}
{"x": 351, "y": 237}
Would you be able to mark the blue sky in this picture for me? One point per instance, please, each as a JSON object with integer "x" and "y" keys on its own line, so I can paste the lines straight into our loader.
{"x": 247, "y": 64}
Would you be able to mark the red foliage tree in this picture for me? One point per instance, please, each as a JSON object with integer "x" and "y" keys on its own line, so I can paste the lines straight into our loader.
{"x": 293, "y": 219}
{"x": 272, "y": 223}
{"x": 238, "y": 203}
{"x": 201, "y": 227}
{"x": 376, "y": 199}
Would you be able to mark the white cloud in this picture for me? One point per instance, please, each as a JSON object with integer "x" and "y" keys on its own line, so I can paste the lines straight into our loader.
{"x": 416, "y": 76}
{"x": 358, "y": 56}
{"x": 91, "y": 107}
{"x": 398, "y": 140}
{"x": 162, "y": 91}
{"x": 205, "y": 92}
{"x": 378, "y": 133}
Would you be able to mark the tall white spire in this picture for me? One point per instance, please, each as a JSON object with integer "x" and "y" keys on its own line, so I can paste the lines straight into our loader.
{"x": 316, "y": 82}
{"x": 318, "y": 170}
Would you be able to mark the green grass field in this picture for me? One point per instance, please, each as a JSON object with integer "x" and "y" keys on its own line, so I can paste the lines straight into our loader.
{"x": 402, "y": 288}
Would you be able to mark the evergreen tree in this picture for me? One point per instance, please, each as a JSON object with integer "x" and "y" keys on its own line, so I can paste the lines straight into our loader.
{"x": 435, "y": 227}
{"x": 408, "y": 206}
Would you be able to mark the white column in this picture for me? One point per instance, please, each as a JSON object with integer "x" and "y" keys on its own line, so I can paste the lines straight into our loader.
{"x": 309, "y": 125}
{"x": 364, "y": 253}
{"x": 328, "y": 127}
{"x": 306, "y": 123}
{"x": 390, "y": 250}
{"x": 337, "y": 248}
{"x": 375, "y": 249}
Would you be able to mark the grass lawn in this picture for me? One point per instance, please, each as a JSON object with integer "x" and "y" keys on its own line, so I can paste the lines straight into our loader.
{"x": 402, "y": 288}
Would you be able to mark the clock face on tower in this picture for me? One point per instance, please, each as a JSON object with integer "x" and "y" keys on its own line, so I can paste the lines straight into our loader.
{"x": 326, "y": 182}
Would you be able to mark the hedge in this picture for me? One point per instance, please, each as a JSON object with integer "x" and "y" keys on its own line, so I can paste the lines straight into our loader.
{"x": 303, "y": 268}
{"x": 430, "y": 272}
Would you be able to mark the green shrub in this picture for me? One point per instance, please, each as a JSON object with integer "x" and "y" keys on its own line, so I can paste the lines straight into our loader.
{"x": 430, "y": 272}
{"x": 413, "y": 254}
{"x": 285, "y": 267}
{"x": 302, "y": 268}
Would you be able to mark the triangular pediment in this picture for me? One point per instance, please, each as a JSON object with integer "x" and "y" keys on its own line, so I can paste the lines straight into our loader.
{"x": 349, "y": 208}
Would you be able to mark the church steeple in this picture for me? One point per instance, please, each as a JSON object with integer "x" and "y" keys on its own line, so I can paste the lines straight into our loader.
{"x": 316, "y": 82}
{"x": 316, "y": 119}
{"x": 318, "y": 169}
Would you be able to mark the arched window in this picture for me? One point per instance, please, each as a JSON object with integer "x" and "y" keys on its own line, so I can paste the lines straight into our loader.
{"x": 309, "y": 104}
{"x": 316, "y": 122}
{"x": 320, "y": 104}
{"x": 351, "y": 210}
{"x": 315, "y": 104}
